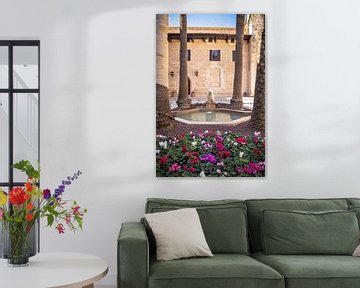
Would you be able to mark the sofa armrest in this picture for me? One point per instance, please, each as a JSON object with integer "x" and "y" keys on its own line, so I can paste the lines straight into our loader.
{"x": 133, "y": 256}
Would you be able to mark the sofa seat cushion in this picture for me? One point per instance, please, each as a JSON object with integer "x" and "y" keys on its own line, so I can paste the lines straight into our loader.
{"x": 313, "y": 271}
{"x": 222, "y": 270}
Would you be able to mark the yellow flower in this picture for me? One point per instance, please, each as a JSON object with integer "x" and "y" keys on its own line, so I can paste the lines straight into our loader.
{"x": 3, "y": 198}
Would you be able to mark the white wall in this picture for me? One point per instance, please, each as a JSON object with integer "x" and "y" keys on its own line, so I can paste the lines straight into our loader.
{"x": 98, "y": 105}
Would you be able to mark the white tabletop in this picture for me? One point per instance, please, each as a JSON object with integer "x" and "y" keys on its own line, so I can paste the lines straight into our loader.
{"x": 45, "y": 270}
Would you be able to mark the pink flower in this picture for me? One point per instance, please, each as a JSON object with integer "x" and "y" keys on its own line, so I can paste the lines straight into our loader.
{"x": 60, "y": 228}
{"x": 252, "y": 168}
{"x": 192, "y": 169}
{"x": 220, "y": 146}
{"x": 175, "y": 167}
{"x": 1, "y": 214}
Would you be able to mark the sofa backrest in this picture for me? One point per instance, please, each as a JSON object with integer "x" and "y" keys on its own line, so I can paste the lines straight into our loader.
{"x": 223, "y": 221}
{"x": 256, "y": 205}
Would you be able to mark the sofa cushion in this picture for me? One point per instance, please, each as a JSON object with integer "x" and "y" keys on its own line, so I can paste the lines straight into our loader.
{"x": 223, "y": 221}
{"x": 313, "y": 271}
{"x": 222, "y": 270}
{"x": 356, "y": 209}
{"x": 353, "y": 201}
{"x": 297, "y": 232}
{"x": 178, "y": 234}
{"x": 254, "y": 217}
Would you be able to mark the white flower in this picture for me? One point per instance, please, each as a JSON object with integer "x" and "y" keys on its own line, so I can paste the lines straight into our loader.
{"x": 160, "y": 136}
{"x": 218, "y": 171}
{"x": 235, "y": 143}
{"x": 202, "y": 174}
{"x": 206, "y": 132}
{"x": 220, "y": 164}
{"x": 163, "y": 144}
{"x": 257, "y": 133}
{"x": 157, "y": 151}
{"x": 225, "y": 173}
{"x": 193, "y": 143}
{"x": 241, "y": 154}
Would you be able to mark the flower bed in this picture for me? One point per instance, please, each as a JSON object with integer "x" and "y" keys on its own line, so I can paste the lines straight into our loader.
{"x": 210, "y": 154}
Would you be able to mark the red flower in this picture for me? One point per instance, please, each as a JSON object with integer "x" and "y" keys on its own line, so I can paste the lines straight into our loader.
{"x": 257, "y": 152}
{"x": 29, "y": 217}
{"x": 192, "y": 169}
{"x": 29, "y": 206}
{"x": 224, "y": 154}
{"x": 184, "y": 148}
{"x": 241, "y": 140}
{"x": 29, "y": 187}
{"x": 17, "y": 196}
{"x": 27, "y": 196}
{"x": 60, "y": 228}
{"x": 194, "y": 160}
{"x": 164, "y": 160}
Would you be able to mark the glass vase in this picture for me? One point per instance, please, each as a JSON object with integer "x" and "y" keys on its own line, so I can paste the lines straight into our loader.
{"x": 18, "y": 242}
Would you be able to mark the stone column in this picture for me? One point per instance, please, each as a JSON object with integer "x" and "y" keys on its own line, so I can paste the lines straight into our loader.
{"x": 238, "y": 74}
{"x": 255, "y": 41}
{"x": 162, "y": 74}
{"x": 183, "y": 99}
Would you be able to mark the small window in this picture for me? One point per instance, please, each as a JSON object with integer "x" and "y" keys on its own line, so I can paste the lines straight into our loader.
{"x": 189, "y": 55}
{"x": 233, "y": 55}
{"x": 214, "y": 55}
{"x": 232, "y": 40}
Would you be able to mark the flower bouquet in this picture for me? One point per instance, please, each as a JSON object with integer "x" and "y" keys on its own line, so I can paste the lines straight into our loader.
{"x": 21, "y": 208}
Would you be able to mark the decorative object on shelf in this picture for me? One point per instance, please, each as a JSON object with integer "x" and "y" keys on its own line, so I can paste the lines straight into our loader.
{"x": 21, "y": 208}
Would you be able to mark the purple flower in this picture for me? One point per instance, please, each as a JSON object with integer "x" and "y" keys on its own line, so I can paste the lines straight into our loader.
{"x": 46, "y": 194}
{"x": 209, "y": 158}
{"x": 68, "y": 181}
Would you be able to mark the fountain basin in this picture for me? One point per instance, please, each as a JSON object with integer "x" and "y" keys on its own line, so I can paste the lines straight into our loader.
{"x": 219, "y": 116}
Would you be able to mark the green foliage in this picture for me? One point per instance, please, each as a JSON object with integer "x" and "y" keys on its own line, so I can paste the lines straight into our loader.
{"x": 26, "y": 167}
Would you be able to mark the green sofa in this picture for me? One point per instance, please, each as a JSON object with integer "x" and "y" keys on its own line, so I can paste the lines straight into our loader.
{"x": 235, "y": 234}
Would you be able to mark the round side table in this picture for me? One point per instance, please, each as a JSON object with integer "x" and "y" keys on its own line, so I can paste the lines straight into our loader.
{"x": 50, "y": 270}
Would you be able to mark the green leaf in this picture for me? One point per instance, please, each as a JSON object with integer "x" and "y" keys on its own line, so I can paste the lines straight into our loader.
{"x": 50, "y": 219}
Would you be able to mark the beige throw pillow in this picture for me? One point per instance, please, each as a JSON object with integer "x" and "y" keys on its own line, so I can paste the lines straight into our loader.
{"x": 357, "y": 251}
{"x": 178, "y": 234}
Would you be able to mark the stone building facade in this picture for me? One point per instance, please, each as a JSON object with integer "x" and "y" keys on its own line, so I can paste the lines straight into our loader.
{"x": 210, "y": 61}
